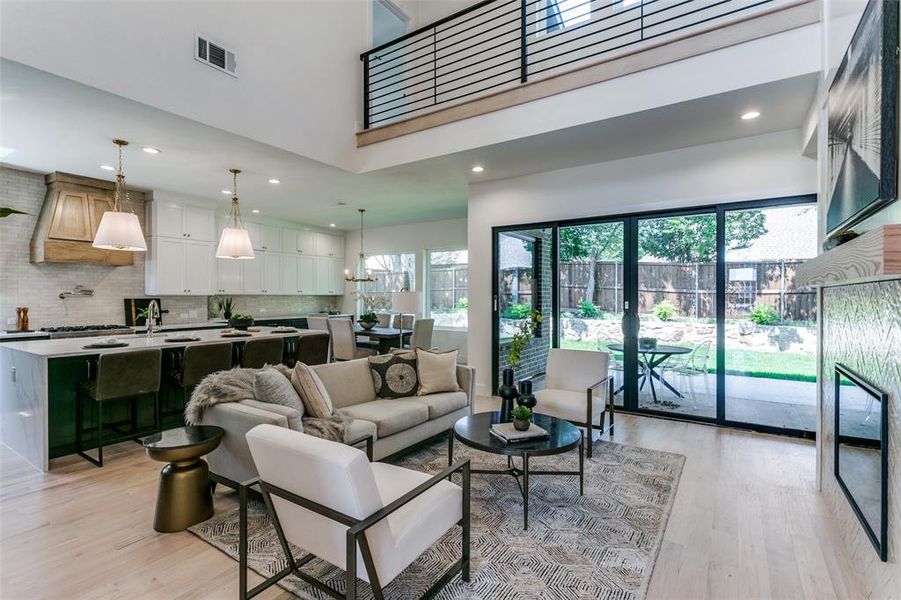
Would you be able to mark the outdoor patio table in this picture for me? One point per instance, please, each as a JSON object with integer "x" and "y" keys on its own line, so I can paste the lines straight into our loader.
{"x": 653, "y": 358}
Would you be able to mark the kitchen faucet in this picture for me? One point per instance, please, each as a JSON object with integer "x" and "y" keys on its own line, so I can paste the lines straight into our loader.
{"x": 153, "y": 313}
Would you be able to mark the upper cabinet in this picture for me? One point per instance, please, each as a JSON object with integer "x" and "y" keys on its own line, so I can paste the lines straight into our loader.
{"x": 271, "y": 239}
{"x": 329, "y": 245}
{"x": 299, "y": 242}
{"x": 174, "y": 220}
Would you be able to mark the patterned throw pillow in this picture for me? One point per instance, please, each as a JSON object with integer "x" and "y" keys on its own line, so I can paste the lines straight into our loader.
{"x": 394, "y": 375}
{"x": 312, "y": 391}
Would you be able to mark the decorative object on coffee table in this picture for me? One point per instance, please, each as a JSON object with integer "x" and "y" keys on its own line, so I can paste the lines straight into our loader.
{"x": 519, "y": 342}
{"x": 508, "y": 393}
{"x": 241, "y": 321}
{"x": 526, "y": 397}
{"x": 184, "y": 497}
{"x": 522, "y": 417}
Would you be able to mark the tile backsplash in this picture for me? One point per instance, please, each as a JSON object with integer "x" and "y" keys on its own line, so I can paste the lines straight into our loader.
{"x": 23, "y": 283}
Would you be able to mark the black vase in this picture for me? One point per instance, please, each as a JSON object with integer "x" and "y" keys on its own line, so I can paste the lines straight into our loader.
{"x": 526, "y": 398}
{"x": 508, "y": 393}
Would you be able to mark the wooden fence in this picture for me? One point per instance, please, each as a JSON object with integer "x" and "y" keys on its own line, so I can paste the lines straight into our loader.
{"x": 691, "y": 288}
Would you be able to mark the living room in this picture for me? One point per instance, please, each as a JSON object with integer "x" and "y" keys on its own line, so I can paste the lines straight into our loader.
{"x": 414, "y": 298}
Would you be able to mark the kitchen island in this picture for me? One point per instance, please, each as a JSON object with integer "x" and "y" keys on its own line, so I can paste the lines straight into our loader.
{"x": 39, "y": 381}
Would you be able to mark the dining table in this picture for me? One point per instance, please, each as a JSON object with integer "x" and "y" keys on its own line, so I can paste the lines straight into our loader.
{"x": 652, "y": 357}
{"x": 387, "y": 337}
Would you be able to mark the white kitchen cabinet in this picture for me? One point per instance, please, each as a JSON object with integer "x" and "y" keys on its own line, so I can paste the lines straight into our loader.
{"x": 166, "y": 219}
{"x": 271, "y": 238}
{"x": 255, "y": 231}
{"x": 272, "y": 272}
{"x": 198, "y": 260}
{"x": 298, "y": 242}
{"x": 229, "y": 279}
{"x": 170, "y": 219}
{"x": 329, "y": 245}
{"x": 179, "y": 267}
{"x": 198, "y": 224}
{"x": 252, "y": 275}
{"x": 306, "y": 275}
{"x": 290, "y": 274}
{"x": 329, "y": 275}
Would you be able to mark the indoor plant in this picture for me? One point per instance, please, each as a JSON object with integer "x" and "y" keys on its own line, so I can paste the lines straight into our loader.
{"x": 241, "y": 321}
{"x": 368, "y": 320}
{"x": 522, "y": 417}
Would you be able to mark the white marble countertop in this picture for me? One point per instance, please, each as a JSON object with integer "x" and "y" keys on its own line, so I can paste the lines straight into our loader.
{"x": 21, "y": 335}
{"x": 76, "y": 346}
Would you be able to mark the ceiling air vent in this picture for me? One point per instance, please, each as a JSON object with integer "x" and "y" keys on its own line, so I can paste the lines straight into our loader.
{"x": 215, "y": 55}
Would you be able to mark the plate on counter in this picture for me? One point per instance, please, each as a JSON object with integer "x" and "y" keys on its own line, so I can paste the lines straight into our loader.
{"x": 284, "y": 330}
{"x": 182, "y": 338}
{"x": 235, "y": 333}
{"x": 108, "y": 343}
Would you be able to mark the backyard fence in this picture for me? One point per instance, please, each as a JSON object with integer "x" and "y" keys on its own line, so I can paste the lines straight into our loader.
{"x": 691, "y": 288}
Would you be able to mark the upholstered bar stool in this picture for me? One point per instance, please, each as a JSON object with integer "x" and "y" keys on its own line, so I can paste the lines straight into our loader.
{"x": 312, "y": 348}
{"x": 197, "y": 362}
{"x": 120, "y": 376}
{"x": 262, "y": 351}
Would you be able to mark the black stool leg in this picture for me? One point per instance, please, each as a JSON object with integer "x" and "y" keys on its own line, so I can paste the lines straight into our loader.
{"x": 79, "y": 422}
{"x": 100, "y": 434}
{"x": 157, "y": 412}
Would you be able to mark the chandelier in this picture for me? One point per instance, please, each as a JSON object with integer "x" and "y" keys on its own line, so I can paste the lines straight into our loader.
{"x": 361, "y": 264}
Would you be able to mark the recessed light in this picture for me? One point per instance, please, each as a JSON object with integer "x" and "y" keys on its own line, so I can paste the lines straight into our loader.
{"x": 255, "y": 211}
{"x": 226, "y": 191}
{"x": 274, "y": 181}
{"x": 150, "y": 150}
{"x": 478, "y": 169}
{"x": 331, "y": 224}
{"x": 751, "y": 114}
{"x": 107, "y": 168}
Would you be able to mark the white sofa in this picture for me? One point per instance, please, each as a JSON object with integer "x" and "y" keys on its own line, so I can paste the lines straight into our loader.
{"x": 393, "y": 424}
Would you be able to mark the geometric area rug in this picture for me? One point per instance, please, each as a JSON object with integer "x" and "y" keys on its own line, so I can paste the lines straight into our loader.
{"x": 600, "y": 545}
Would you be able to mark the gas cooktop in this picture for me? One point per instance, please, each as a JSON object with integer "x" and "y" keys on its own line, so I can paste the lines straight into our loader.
{"x": 86, "y": 330}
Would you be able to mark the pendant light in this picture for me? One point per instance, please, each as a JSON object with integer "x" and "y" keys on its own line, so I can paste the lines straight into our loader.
{"x": 361, "y": 264}
{"x": 234, "y": 241}
{"x": 120, "y": 230}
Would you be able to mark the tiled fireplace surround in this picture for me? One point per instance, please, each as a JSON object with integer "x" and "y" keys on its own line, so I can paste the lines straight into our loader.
{"x": 862, "y": 330}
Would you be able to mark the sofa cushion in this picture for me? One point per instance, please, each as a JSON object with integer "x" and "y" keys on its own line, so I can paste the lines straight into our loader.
{"x": 311, "y": 390}
{"x": 356, "y": 429}
{"x": 348, "y": 382}
{"x": 437, "y": 371}
{"x": 442, "y": 403}
{"x": 389, "y": 416}
{"x": 394, "y": 375}
{"x": 271, "y": 386}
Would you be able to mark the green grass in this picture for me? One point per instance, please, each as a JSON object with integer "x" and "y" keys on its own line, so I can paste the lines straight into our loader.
{"x": 793, "y": 366}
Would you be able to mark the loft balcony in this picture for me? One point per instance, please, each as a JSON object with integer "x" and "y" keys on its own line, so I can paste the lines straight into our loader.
{"x": 500, "y": 53}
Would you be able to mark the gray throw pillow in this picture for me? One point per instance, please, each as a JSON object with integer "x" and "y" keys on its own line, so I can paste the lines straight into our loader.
{"x": 394, "y": 375}
{"x": 271, "y": 386}
{"x": 312, "y": 392}
{"x": 437, "y": 372}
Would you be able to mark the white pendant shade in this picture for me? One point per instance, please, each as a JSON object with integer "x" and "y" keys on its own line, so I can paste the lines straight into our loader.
{"x": 407, "y": 303}
{"x": 234, "y": 243}
{"x": 120, "y": 231}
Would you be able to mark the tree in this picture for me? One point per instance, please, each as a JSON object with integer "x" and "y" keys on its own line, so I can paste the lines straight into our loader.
{"x": 602, "y": 241}
{"x": 693, "y": 239}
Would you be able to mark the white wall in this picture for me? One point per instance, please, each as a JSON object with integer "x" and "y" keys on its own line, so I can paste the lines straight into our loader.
{"x": 765, "y": 166}
{"x": 416, "y": 239}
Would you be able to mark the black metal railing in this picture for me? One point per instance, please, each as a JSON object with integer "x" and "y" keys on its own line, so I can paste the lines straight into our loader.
{"x": 499, "y": 44}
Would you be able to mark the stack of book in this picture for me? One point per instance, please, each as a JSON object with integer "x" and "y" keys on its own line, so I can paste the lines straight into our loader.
{"x": 509, "y": 434}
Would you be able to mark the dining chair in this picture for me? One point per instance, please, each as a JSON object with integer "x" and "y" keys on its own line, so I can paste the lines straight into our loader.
{"x": 689, "y": 366}
{"x": 421, "y": 336}
{"x": 328, "y": 500}
{"x": 318, "y": 322}
{"x": 577, "y": 388}
{"x": 384, "y": 319}
{"x": 344, "y": 345}
{"x": 407, "y": 321}
{"x": 614, "y": 363}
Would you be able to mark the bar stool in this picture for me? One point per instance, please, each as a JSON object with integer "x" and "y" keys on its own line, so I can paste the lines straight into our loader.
{"x": 262, "y": 351}
{"x": 196, "y": 363}
{"x": 120, "y": 376}
{"x": 312, "y": 348}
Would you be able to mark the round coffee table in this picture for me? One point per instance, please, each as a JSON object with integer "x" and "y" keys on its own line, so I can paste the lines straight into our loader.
{"x": 563, "y": 436}
{"x": 184, "y": 497}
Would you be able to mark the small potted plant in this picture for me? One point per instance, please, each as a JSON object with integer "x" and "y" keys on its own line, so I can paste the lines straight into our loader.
{"x": 368, "y": 320}
{"x": 522, "y": 417}
{"x": 241, "y": 321}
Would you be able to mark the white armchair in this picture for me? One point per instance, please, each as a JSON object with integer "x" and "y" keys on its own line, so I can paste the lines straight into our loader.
{"x": 329, "y": 500}
{"x": 577, "y": 388}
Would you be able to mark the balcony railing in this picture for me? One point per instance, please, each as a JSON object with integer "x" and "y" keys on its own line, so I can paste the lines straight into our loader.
{"x": 499, "y": 44}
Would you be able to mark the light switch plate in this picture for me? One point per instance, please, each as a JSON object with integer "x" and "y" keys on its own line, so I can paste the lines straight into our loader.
{"x": 11, "y": 321}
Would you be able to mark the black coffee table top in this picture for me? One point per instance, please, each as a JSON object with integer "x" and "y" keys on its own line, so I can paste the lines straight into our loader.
{"x": 474, "y": 431}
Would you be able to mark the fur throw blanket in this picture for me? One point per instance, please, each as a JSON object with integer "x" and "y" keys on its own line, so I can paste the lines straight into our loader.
{"x": 236, "y": 385}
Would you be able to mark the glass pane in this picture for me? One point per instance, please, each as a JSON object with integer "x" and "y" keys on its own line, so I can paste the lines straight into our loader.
{"x": 524, "y": 286}
{"x": 677, "y": 312}
{"x": 448, "y": 288}
{"x": 771, "y": 335}
{"x": 591, "y": 292}
{"x": 393, "y": 273}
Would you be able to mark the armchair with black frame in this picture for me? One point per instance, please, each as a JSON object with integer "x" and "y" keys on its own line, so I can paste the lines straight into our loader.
{"x": 571, "y": 381}
{"x": 375, "y": 513}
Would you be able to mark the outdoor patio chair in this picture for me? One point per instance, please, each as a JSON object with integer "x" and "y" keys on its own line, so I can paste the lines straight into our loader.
{"x": 614, "y": 363}
{"x": 689, "y": 366}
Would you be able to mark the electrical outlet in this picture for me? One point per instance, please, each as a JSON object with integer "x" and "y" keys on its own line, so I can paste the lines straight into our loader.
{"x": 11, "y": 321}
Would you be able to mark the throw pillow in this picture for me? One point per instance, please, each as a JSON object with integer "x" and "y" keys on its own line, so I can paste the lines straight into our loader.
{"x": 437, "y": 372}
{"x": 271, "y": 386}
{"x": 394, "y": 375}
{"x": 311, "y": 390}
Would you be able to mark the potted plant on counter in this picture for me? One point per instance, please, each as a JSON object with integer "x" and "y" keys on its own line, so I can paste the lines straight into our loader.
{"x": 241, "y": 321}
{"x": 522, "y": 418}
{"x": 368, "y": 320}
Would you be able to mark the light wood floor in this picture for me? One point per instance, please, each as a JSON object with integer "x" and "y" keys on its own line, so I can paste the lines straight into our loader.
{"x": 746, "y": 523}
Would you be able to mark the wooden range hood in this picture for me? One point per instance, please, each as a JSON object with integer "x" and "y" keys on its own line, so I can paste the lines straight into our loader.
{"x": 69, "y": 220}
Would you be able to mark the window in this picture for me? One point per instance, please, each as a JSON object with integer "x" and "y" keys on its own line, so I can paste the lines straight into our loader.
{"x": 448, "y": 300}
{"x": 393, "y": 273}
{"x": 559, "y": 14}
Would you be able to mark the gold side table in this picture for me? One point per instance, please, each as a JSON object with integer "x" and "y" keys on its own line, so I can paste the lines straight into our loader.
{"x": 184, "y": 497}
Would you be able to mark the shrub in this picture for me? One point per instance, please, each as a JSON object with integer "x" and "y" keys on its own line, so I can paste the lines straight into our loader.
{"x": 664, "y": 310}
{"x": 763, "y": 314}
{"x": 518, "y": 311}
{"x": 463, "y": 303}
{"x": 587, "y": 310}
